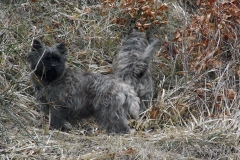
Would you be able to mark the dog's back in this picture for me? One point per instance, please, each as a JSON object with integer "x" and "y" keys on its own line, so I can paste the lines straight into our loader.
{"x": 78, "y": 95}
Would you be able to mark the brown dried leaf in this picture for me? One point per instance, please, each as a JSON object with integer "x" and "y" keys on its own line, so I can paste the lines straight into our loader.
{"x": 70, "y": 28}
{"x": 161, "y": 65}
{"x": 198, "y": 2}
{"x": 220, "y": 97}
{"x": 208, "y": 84}
{"x": 87, "y": 10}
{"x": 144, "y": 8}
{"x": 181, "y": 72}
{"x": 132, "y": 13}
{"x": 141, "y": 1}
{"x": 177, "y": 35}
{"x": 143, "y": 19}
{"x": 156, "y": 22}
{"x": 200, "y": 91}
{"x": 163, "y": 7}
{"x": 48, "y": 28}
{"x": 215, "y": 63}
{"x": 211, "y": 1}
{"x": 238, "y": 73}
{"x": 147, "y": 25}
{"x": 155, "y": 112}
{"x": 231, "y": 94}
{"x": 197, "y": 44}
{"x": 138, "y": 24}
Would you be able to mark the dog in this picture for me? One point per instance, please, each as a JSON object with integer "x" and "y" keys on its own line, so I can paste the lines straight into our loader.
{"x": 132, "y": 62}
{"x": 70, "y": 95}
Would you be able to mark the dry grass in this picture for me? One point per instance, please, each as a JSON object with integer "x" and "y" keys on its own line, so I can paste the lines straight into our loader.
{"x": 180, "y": 125}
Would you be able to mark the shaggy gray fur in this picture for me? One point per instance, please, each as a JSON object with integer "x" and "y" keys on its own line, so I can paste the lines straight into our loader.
{"x": 132, "y": 65}
{"x": 72, "y": 95}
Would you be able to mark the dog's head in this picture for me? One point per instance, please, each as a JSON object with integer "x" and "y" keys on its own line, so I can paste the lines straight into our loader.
{"x": 48, "y": 63}
{"x": 135, "y": 39}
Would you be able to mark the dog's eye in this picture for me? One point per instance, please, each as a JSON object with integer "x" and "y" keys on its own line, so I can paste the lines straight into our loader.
{"x": 56, "y": 59}
{"x": 47, "y": 58}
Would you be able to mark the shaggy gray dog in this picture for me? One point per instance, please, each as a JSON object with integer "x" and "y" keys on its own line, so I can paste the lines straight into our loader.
{"x": 71, "y": 95}
{"x": 131, "y": 64}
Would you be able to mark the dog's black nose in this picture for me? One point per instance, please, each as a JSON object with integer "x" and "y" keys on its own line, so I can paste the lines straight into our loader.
{"x": 53, "y": 65}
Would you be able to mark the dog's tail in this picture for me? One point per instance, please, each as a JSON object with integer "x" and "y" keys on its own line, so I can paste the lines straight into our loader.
{"x": 149, "y": 51}
{"x": 141, "y": 65}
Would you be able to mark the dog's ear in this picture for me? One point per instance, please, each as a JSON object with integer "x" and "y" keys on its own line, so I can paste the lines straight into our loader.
{"x": 36, "y": 45}
{"x": 61, "y": 48}
{"x": 132, "y": 30}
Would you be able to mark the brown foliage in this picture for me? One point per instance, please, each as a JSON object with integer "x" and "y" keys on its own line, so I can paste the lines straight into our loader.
{"x": 145, "y": 13}
{"x": 206, "y": 37}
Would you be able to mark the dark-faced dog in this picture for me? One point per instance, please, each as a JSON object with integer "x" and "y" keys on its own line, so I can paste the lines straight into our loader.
{"x": 71, "y": 95}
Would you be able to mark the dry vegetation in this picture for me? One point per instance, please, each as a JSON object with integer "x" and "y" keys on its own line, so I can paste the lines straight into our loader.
{"x": 195, "y": 112}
